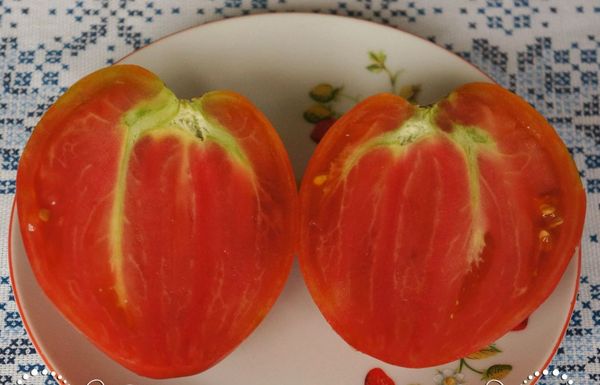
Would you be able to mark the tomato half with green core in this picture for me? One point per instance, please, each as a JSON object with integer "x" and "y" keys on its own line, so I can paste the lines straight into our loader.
{"x": 429, "y": 232}
{"x": 162, "y": 229}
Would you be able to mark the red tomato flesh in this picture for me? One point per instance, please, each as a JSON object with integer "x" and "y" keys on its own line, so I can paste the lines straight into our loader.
{"x": 429, "y": 232}
{"x": 162, "y": 229}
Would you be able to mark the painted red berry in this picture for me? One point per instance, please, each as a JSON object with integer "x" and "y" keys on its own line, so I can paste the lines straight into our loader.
{"x": 320, "y": 129}
{"x": 378, "y": 377}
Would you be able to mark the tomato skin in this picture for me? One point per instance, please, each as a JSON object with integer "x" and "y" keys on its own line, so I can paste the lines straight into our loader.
{"x": 163, "y": 230}
{"x": 521, "y": 326}
{"x": 428, "y": 233}
{"x": 320, "y": 128}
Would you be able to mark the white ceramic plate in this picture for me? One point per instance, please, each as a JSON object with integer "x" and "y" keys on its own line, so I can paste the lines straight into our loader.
{"x": 275, "y": 60}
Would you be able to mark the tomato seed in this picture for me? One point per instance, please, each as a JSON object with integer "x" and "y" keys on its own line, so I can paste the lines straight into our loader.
{"x": 544, "y": 236}
{"x": 557, "y": 221}
{"x": 545, "y": 240}
{"x": 44, "y": 215}
{"x": 319, "y": 180}
{"x": 548, "y": 211}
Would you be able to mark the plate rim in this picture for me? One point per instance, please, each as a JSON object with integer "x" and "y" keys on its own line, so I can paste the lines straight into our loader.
{"x": 310, "y": 15}
{"x": 27, "y": 327}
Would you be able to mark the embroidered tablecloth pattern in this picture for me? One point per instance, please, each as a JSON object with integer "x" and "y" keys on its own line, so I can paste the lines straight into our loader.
{"x": 547, "y": 51}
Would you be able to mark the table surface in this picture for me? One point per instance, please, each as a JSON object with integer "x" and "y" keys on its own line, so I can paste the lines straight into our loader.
{"x": 46, "y": 46}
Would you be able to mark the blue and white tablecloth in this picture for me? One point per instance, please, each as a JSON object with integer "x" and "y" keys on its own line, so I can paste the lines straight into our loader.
{"x": 548, "y": 51}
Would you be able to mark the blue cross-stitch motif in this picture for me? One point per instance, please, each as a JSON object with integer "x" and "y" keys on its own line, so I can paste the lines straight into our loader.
{"x": 546, "y": 51}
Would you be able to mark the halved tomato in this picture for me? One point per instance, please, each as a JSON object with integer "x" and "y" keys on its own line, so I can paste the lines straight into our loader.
{"x": 163, "y": 229}
{"x": 429, "y": 232}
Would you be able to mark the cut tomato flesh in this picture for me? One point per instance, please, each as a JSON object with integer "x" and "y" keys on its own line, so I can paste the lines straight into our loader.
{"x": 441, "y": 231}
{"x": 162, "y": 229}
